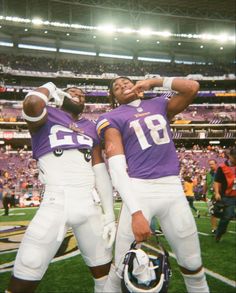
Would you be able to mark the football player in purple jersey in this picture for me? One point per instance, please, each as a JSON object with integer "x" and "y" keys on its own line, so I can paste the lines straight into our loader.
{"x": 144, "y": 169}
{"x": 67, "y": 149}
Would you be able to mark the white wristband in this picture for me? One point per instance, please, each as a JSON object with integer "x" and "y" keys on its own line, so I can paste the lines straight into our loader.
{"x": 38, "y": 94}
{"x": 34, "y": 119}
{"x": 167, "y": 82}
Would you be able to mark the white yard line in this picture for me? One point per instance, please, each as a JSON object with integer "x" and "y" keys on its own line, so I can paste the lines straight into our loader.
{"x": 217, "y": 276}
{"x": 8, "y": 251}
{"x": 204, "y": 234}
{"x": 232, "y": 232}
{"x": 5, "y": 267}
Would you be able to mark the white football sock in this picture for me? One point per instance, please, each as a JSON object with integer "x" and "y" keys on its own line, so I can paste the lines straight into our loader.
{"x": 113, "y": 282}
{"x": 99, "y": 284}
{"x": 196, "y": 283}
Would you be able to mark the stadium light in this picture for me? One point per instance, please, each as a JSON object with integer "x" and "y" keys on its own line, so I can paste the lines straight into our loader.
{"x": 145, "y": 32}
{"x": 16, "y": 19}
{"x": 37, "y": 21}
{"x": 126, "y": 30}
{"x": 223, "y": 38}
{"x": 154, "y": 59}
{"x": 33, "y": 47}
{"x": 77, "y": 52}
{"x": 115, "y": 56}
{"x": 107, "y": 28}
{"x": 110, "y": 29}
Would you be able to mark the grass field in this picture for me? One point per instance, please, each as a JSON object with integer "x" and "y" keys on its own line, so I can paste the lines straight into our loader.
{"x": 68, "y": 274}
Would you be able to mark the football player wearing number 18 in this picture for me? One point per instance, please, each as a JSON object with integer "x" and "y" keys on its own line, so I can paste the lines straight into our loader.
{"x": 71, "y": 166}
{"x": 144, "y": 169}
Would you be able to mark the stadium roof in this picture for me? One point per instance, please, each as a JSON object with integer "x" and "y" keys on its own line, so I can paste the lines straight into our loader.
{"x": 66, "y": 10}
{"x": 183, "y": 19}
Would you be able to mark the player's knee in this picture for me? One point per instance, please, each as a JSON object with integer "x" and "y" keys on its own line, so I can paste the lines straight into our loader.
{"x": 191, "y": 263}
{"x": 32, "y": 257}
{"x": 96, "y": 261}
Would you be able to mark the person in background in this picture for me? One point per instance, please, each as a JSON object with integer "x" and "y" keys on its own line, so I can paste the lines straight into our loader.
{"x": 208, "y": 191}
{"x": 7, "y": 198}
{"x": 144, "y": 169}
{"x": 188, "y": 189}
{"x": 67, "y": 149}
{"x": 1, "y": 189}
{"x": 225, "y": 191}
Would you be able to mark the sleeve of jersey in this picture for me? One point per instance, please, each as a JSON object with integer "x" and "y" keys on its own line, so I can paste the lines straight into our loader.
{"x": 103, "y": 124}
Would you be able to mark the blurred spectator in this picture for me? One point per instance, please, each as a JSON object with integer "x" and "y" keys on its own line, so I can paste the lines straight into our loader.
{"x": 7, "y": 199}
{"x": 225, "y": 191}
{"x": 188, "y": 190}
{"x": 209, "y": 191}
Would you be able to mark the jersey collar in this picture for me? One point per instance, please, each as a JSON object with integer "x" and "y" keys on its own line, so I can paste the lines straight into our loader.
{"x": 135, "y": 103}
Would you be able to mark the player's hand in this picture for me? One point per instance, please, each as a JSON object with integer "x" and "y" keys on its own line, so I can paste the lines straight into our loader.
{"x": 109, "y": 229}
{"x": 141, "y": 86}
{"x": 55, "y": 93}
{"x": 58, "y": 96}
{"x": 140, "y": 227}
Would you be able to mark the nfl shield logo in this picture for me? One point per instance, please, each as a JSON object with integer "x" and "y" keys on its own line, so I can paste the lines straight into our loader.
{"x": 140, "y": 109}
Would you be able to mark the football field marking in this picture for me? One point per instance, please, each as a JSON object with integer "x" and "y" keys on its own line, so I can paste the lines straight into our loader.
{"x": 14, "y": 214}
{"x": 5, "y": 267}
{"x": 217, "y": 276}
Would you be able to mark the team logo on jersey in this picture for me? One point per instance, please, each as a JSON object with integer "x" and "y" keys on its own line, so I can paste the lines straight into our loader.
{"x": 58, "y": 152}
{"x": 141, "y": 114}
{"x": 140, "y": 109}
{"x": 87, "y": 154}
{"x": 75, "y": 128}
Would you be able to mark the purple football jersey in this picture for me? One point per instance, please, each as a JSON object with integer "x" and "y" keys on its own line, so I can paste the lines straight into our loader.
{"x": 62, "y": 132}
{"x": 147, "y": 139}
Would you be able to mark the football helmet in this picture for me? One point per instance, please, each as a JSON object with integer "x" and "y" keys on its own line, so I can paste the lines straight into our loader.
{"x": 217, "y": 208}
{"x": 143, "y": 272}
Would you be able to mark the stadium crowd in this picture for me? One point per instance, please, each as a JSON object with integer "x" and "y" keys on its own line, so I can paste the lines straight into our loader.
{"x": 132, "y": 68}
{"x": 205, "y": 113}
{"x": 19, "y": 170}
{"x": 19, "y": 175}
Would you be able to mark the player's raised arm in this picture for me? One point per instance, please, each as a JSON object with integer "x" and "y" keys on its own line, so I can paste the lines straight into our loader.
{"x": 186, "y": 91}
{"x": 34, "y": 106}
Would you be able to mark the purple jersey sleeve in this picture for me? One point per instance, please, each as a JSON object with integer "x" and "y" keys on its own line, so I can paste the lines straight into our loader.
{"x": 146, "y": 136}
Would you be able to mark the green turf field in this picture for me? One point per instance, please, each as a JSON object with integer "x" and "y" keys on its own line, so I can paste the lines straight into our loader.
{"x": 67, "y": 273}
